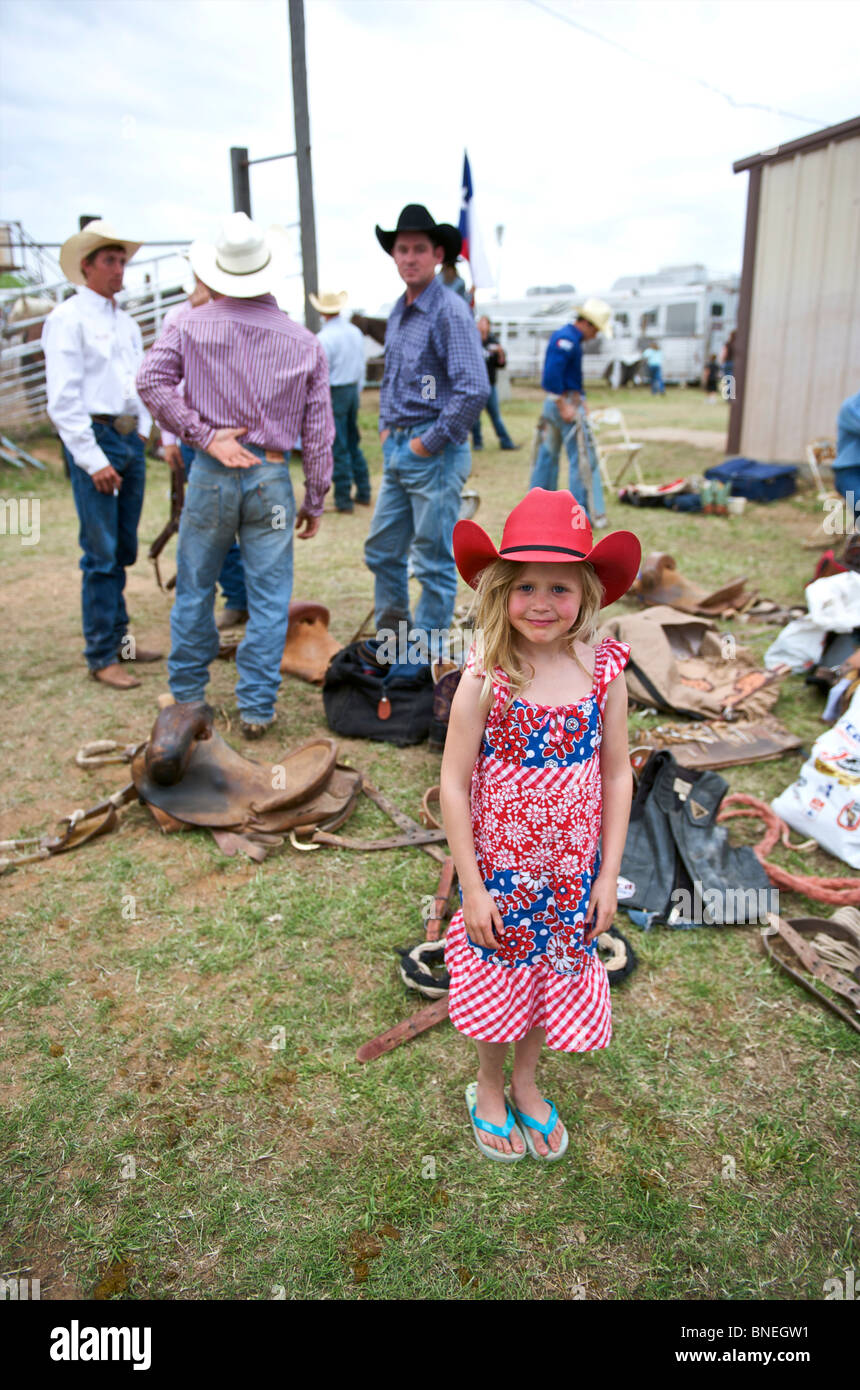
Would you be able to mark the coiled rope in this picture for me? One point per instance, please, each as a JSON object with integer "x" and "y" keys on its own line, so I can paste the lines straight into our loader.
{"x": 840, "y": 891}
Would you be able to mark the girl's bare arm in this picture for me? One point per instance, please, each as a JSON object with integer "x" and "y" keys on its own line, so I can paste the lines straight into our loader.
{"x": 462, "y": 745}
{"x": 617, "y": 790}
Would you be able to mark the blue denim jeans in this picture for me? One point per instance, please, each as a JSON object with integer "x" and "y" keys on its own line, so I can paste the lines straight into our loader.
{"x": 656, "y": 375}
{"x": 257, "y": 503}
{"x": 545, "y": 468}
{"x": 108, "y": 539}
{"x": 350, "y": 465}
{"x": 418, "y": 504}
{"x": 232, "y": 576}
{"x": 492, "y": 409}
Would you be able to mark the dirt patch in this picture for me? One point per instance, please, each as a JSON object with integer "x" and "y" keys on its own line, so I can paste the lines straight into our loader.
{"x": 697, "y": 439}
{"x": 46, "y": 1262}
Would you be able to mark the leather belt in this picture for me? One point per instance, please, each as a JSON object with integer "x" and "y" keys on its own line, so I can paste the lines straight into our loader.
{"x": 123, "y": 424}
{"x": 273, "y": 455}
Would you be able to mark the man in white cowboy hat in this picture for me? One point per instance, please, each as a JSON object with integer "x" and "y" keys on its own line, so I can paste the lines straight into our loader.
{"x": 180, "y": 457}
{"x": 434, "y": 388}
{"x": 343, "y": 345}
{"x": 564, "y": 413}
{"x": 92, "y": 352}
{"x": 248, "y": 370}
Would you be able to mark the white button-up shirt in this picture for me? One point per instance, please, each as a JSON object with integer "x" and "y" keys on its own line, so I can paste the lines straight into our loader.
{"x": 92, "y": 352}
{"x": 343, "y": 345}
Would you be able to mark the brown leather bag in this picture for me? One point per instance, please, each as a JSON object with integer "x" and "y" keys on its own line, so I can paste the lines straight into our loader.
{"x": 682, "y": 663}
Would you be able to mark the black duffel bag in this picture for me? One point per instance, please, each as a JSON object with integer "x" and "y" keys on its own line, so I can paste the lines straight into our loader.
{"x": 367, "y": 698}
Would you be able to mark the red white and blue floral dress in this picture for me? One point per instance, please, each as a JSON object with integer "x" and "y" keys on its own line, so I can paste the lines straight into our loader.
{"x": 536, "y": 818}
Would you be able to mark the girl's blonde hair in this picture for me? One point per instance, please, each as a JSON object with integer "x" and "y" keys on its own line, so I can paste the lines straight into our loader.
{"x": 494, "y": 636}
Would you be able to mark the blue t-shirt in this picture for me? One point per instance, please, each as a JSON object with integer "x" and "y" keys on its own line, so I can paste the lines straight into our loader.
{"x": 848, "y": 434}
{"x": 562, "y": 366}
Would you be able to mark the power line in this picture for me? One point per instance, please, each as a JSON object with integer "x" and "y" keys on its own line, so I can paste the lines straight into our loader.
{"x": 655, "y": 62}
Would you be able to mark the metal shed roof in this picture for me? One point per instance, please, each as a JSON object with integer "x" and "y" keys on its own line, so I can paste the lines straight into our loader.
{"x": 806, "y": 142}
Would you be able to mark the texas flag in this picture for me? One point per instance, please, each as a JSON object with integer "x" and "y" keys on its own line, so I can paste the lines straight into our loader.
{"x": 473, "y": 247}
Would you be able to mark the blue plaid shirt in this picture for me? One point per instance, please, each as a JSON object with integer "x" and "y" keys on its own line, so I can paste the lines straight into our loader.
{"x": 434, "y": 368}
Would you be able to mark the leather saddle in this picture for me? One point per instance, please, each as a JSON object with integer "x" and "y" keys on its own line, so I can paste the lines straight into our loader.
{"x": 660, "y": 581}
{"x": 309, "y": 646}
{"x": 188, "y": 776}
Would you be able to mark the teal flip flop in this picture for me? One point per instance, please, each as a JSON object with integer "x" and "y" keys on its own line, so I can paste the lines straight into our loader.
{"x": 503, "y": 1131}
{"x": 546, "y": 1129}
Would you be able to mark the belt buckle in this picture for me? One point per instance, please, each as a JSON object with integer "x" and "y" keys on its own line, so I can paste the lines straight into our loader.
{"x": 125, "y": 423}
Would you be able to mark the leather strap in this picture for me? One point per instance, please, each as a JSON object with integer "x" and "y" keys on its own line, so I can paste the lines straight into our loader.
{"x": 816, "y": 965}
{"x": 177, "y": 498}
{"x": 431, "y": 796}
{"x": 79, "y": 828}
{"x": 433, "y": 925}
{"x": 413, "y": 834}
{"x": 428, "y": 840}
{"x": 778, "y": 927}
{"x": 403, "y": 1031}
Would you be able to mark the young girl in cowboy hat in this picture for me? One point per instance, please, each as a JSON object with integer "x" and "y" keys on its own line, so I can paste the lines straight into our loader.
{"x": 536, "y": 792}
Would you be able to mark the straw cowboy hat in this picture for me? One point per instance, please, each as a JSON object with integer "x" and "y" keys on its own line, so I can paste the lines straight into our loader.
{"x": 550, "y": 528}
{"x": 329, "y": 303}
{"x": 598, "y": 312}
{"x": 416, "y": 218}
{"x": 82, "y": 244}
{"x": 245, "y": 261}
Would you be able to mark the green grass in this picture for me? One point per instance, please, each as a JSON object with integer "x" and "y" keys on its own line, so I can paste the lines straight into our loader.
{"x": 181, "y": 1112}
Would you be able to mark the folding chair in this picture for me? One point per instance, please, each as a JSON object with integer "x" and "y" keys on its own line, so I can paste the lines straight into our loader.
{"x": 818, "y": 453}
{"x": 613, "y": 419}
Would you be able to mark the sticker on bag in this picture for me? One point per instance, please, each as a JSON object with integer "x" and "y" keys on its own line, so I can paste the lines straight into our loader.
{"x": 815, "y": 802}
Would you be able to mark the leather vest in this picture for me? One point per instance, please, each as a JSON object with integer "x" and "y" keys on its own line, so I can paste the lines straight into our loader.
{"x": 683, "y": 870}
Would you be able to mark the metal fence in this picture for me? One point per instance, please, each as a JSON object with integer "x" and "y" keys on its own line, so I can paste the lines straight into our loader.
{"x": 157, "y": 284}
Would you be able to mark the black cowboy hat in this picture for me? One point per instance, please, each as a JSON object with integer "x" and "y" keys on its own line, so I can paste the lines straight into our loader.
{"x": 416, "y": 218}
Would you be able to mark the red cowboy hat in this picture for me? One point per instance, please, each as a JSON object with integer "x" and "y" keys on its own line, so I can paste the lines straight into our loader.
{"x": 550, "y": 527}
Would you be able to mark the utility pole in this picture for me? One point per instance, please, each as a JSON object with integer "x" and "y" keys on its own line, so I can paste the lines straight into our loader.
{"x": 241, "y": 179}
{"x": 303, "y": 159}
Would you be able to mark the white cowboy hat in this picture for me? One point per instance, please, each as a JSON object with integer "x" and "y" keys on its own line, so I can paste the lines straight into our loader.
{"x": 598, "y": 312}
{"x": 82, "y": 244}
{"x": 245, "y": 261}
{"x": 329, "y": 303}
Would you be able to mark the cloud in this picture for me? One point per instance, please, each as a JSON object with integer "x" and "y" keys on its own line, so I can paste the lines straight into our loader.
{"x": 596, "y": 162}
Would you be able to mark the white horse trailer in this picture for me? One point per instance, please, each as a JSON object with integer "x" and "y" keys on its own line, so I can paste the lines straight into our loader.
{"x": 688, "y": 312}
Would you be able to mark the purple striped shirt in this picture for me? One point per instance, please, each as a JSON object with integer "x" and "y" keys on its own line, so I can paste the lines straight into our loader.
{"x": 244, "y": 362}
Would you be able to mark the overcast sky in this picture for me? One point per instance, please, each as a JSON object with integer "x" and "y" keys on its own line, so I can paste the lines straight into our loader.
{"x": 598, "y": 162}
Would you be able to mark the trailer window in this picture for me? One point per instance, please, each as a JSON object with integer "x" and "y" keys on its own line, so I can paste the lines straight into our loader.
{"x": 622, "y": 320}
{"x": 681, "y": 320}
{"x": 649, "y": 319}
{"x": 716, "y": 311}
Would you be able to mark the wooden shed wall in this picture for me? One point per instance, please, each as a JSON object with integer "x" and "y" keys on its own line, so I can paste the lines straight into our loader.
{"x": 804, "y": 347}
